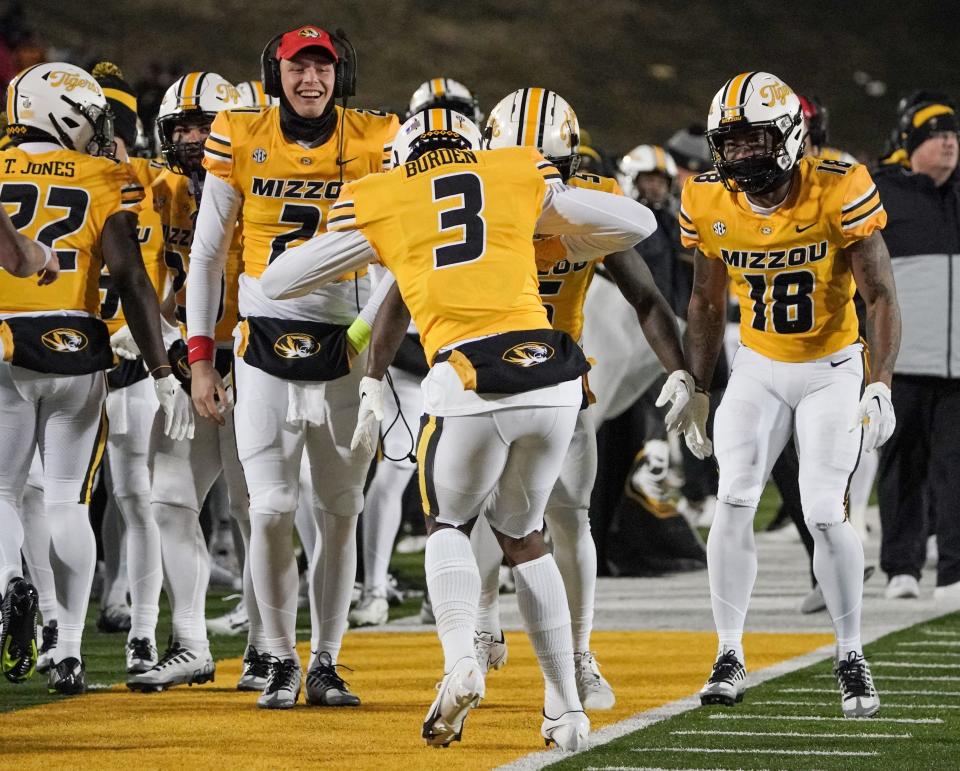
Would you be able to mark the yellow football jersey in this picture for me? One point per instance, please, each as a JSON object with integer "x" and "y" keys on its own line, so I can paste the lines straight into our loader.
{"x": 288, "y": 189}
{"x": 63, "y": 198}
{"x": 788, "y": 269}
{"x": 456, "y": 229}
{"x": 563, "y": 288}
{"x": 177, "y": 209}
{"x": 151, "y": 246}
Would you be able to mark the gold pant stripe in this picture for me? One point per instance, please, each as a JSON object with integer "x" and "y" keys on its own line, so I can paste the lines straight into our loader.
{"x": 96, "y": 458}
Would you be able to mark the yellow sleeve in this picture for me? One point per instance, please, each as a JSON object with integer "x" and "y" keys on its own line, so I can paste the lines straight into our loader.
{"x": 218, "y": 150}
{"x": 862, "y": 211}
{"x": 131, "y": 191}
{"x": 343, "y": 215}
{"x": 689, "y": 236}
{"x": 392, "y": 128}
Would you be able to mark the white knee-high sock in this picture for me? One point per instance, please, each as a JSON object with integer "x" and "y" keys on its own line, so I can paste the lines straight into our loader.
{"x": 454, "y": 585}
{"x": 186, "y": 567}
{"x": 11, "y": 541}
{"x": 489, "y": 555}
{"x": 576, "y": 557}
{"x": 543, "y": 605}
{"x": 732, "y": 565}
{"x": 381, "y": 520}
{"x": 838, "y": 566}
{"x": 73, "y": 557}
{"x": 36, "y": 552}
{"x": 112, "y": 535}
{"x": 333, "y": 573}
{"x": 144, "y": 567}
{"x": 255, "y": 635}
{"x": 274, "y": 572}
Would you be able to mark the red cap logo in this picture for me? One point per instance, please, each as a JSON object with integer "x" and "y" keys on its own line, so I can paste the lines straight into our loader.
{"x": 299, "y": 39}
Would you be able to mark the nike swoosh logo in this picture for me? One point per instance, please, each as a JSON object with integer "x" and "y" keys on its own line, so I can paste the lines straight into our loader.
{"x": 838, "y": 363}
{"x": 344, "y": 163}
{"x": 807, "y": 227}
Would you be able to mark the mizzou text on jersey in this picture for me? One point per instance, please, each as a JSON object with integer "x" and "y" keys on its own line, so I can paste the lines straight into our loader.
{"x": 788, "y": 269}
{"x": 62, "y": 199}
{"x": 177, "y": 210}
{"x": 455, "y": 227}
{"x": 288, "y": 189}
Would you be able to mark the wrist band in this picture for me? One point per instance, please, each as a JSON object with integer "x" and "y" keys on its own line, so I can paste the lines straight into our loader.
{"x": 47, "y": 251}
{"x": 161, "y": 366}
{"x": 199, "y": 348}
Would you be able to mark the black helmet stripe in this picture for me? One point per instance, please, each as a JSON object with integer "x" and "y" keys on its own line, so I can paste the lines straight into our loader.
{"x": 543, "y": 115}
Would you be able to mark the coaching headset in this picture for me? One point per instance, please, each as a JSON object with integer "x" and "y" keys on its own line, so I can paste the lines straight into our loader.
{"x": 345, "y": 68}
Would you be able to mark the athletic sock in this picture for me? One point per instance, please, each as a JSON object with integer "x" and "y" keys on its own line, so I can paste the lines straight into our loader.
{"x": 732, "y": 566}
{"x": 144, "y": 566}
{"x": 382, "y": 511}
{"x": 73, "y": 558}
{"x": 489, "y": 555}
{"x": 333, "y": 572}
{"x": 576, "y": 557}
{"x": 454, "y": 585}
{"x": 274, "y": 573}
{"x": 186, "y": 565}
{"x": 838, "y": 566}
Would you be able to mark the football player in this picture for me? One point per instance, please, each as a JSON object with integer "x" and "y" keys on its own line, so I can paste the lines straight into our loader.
{"x": 455, "y": 226}
{"x": 21, "y": 256}
{"x": 445, "y": 94}
{"x": 280, "y": 170}
{"x": 55, "y": 347}
{"x": 537, "y": 117}
{"x": 795, "y": 237}
{"x": 183, "y": 472}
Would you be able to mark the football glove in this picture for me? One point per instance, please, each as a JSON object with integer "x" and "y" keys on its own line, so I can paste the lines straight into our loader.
{"x": 875, "y": 416}
{"x": 367, "y": 434}
{"x": 176, "y": 406}
{"x": 123, "y": 344}
{"x": 688, "y": 412}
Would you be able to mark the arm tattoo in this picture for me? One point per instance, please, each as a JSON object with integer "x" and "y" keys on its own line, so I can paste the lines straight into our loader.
{"x": 870, "y": 262}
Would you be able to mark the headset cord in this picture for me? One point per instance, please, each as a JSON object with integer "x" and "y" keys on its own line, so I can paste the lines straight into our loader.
{"x": 383, "y": 434}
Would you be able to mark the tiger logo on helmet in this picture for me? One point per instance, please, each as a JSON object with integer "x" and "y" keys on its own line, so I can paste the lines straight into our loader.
{"x": 760, "y": 105}
{"x": 251, "y": 94}
{"x": 537, "y": 117}
{"x": 193, "y": 100}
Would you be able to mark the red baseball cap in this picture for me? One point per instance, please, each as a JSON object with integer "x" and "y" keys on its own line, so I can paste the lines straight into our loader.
{"x": 297, "y": 40}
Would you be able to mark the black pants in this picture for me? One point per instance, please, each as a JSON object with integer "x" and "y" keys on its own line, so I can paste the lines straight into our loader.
{"x": 919, "y": 478}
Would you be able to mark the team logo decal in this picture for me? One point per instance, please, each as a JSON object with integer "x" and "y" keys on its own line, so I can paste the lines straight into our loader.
{"x": 529, "y": 354}
{"x": 719, "y": 228}
{"x": 306, "y": 161}
{"x": 766, "y": 230}
{"x": 64, "y": 340}
{"x": 295, "y": 345}
{"x": 309, "y": 32}
{"x": 259, "y": 155}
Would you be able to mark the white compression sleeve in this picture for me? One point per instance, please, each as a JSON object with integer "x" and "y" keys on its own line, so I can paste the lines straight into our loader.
{"x": 369, "y": 311}
{"x": 594, "y": 224}
{"x": 212, "y": 234}
{"x": 321, "y": 260}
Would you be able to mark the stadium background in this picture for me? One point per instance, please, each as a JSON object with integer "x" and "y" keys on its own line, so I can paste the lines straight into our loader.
{"x": 634, "y": 71}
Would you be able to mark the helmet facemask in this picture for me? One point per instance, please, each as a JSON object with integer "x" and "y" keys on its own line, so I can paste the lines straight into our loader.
{"x": 183, "y": 157}
{"x": 767, "y": 167}
{"x": 567, "y": 166}
{"x": 100, "y": 118}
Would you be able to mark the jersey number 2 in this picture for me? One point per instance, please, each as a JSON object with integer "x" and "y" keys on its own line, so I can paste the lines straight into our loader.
{"x": 465, "y": 219}
{"x": 792, "y": 307}
{"x": 74, "y": 200}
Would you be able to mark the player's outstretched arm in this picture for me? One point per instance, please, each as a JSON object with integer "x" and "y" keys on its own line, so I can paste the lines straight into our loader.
{"x": 319, "y": 261}
{"x": 659, "y": 325}
{"x": 21, "y": 256}
{"x": 870, "y": 262}
{"x": 389, "y": 329}
{"x": 706, "y": 317}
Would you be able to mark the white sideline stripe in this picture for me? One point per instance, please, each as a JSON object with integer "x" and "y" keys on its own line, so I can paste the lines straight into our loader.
{"x": 831, "y": 704}
{"x": 940, "y": 633}
{"x": 907, "y": 678}
{"x": 538, "y": 760}
{"x": 886, "y": 691}
{"x": 908, "y": 665}
{"x": 817, "y": 719}
{"x": 929, "y": 644}
{"x": 758, "y": 751}
{"x": 929, "y": 654}
{"x": 802, "y": 734}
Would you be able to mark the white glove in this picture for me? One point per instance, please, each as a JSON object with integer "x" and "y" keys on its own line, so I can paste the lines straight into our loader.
{"x": 369, "y": 415}
{"x": 123, "y": 344}
{"x": 177, "y": 408}
{"x": 688, "y": 413}
{"x": 875, "y": 416}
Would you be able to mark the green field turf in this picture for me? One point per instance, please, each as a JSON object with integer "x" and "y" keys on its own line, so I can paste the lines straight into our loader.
{"x": 794, "y": 721}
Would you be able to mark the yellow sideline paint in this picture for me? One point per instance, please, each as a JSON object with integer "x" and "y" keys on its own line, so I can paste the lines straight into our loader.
{"x": 214, "y": 726}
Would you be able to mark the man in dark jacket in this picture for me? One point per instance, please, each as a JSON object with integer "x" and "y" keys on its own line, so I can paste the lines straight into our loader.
{"x": 918, "y": 466}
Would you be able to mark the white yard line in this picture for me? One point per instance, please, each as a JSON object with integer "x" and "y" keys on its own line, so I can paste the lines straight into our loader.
{"x": 908, "y": 665}
{"x": 929, "y": 644}
{"x": 831, "y": 704}
{"x": 817, "y": 719}
{"x": 940, "y": 633}
{"x": 906, "y": 678}
{"x": 799, "y": 734}
{"x": 886, "y": 691}
{"x": 928, "y": 654}
{"x": 759, "y": 751}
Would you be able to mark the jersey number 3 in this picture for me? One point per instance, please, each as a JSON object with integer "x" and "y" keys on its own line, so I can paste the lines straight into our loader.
{"x": 791, "y": 307}
{"x": 465, "y": 220}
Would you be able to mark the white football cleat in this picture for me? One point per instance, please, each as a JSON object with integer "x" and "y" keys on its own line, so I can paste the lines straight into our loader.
{"x": 569, "y": 731}
{"x": 490, "y": 653}
{"x": 727, "y": 683}
{"x": 177, "y": 666}
{"x": 256, "y": 670}
{"x": 372, "y": 610}
{"x": 902, "y": 587}
{"x": 460, "y": 691}
{"x": 232, "y": 623}
{"x": 283, "y": 685}
{"x": 592, "y": 687}
{"x": 141, "y": 655}
{"x": 858, "y": 697}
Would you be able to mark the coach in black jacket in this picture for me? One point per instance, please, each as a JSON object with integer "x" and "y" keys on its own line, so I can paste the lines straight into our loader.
{"x": 919, "y": 471}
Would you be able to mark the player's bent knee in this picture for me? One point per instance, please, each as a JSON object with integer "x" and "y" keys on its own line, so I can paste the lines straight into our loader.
{"x": 273, "y": 498}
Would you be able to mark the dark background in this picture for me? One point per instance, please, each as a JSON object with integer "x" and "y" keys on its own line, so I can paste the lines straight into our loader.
{"x": 633, "y": 71}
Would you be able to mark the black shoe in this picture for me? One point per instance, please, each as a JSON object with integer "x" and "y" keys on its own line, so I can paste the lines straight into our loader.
{"x": 67, "y": 678}
{"x": 727, "y": 682}
{"x": 325, "y": 687}
{"x": 256, "y": 670}
{"x": 50, "y": 635}
{"x": 858, "y": 697}
{"x": 18, "y": 644}
{"x": 283, "y": 685}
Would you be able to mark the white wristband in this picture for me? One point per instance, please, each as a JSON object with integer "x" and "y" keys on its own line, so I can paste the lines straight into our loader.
{"x": 50, "y": 254}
